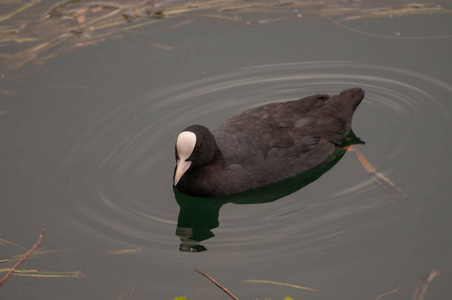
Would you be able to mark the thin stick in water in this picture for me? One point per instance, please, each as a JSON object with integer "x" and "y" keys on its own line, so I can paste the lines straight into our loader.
{"x": 421, "y": 288}
{"x": 217, "y": 284}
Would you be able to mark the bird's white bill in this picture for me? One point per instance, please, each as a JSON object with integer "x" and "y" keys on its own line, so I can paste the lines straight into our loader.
{"x": 181, "y": 168}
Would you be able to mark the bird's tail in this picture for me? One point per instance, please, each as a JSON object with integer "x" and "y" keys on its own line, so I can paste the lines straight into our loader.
{"x": 356, "y": 95}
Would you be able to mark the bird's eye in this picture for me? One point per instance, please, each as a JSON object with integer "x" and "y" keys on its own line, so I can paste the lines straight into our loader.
{"x": 198, "y": 147}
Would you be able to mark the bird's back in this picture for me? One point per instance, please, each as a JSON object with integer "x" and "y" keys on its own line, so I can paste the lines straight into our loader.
{"x": 279, "y": 140}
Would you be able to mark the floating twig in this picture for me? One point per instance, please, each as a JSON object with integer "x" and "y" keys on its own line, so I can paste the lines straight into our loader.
{"x": 217, "y": 284}
{"x": 377, "y": 176}
{"x": 36, "y": 245}
{"x": 422, "y": 285}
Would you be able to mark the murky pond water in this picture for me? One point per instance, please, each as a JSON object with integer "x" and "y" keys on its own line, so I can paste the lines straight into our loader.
{"x": 88, "y": 154}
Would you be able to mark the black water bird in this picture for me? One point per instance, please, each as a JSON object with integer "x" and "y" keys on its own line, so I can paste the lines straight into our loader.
{"x": 263, "y": 145}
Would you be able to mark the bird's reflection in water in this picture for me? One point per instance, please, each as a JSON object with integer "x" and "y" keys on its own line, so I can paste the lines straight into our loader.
{"x": 198, "y": 216}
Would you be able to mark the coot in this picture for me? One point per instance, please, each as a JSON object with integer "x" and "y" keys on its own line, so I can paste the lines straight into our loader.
{"x": 263, "y": 145}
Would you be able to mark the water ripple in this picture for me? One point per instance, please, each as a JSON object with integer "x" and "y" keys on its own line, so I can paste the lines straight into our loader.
{"x": 119, "y": 171}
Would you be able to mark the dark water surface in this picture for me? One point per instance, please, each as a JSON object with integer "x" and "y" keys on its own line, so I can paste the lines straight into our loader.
{"x": 87, "y": 151}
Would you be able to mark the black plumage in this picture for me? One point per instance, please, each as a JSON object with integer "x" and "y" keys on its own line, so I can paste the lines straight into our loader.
{"x": 267, "y": 144}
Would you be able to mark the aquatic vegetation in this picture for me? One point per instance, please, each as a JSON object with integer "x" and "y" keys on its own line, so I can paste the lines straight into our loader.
{"x": 32, "y": 32}
{"x": 19, "y": 259}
